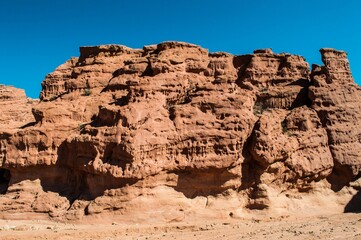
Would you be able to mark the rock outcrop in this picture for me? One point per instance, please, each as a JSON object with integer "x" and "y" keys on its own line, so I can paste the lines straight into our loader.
{"x": 15, "y": 109}
{"x": 172, "y": 132}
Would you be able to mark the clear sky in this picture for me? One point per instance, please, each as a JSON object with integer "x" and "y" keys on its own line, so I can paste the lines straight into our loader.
{"x": 39, "y": 35}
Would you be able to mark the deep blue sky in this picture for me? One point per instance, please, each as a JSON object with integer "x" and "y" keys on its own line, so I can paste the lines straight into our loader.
{"x": 39, "y": 35}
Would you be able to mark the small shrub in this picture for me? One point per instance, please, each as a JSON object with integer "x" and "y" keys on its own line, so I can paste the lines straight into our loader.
{"x": 259, "y": 108}
{"x": 53, "y": 98}
{"x": 291, "y": 134}
{"x": 87, "y": 92}
{"x": 285, "y": 129}
{"x": 81, "y": 126}
{"x": 263, "y": 90}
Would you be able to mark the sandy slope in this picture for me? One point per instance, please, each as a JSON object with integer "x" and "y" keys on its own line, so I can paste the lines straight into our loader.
{"x": 340, "y": 226}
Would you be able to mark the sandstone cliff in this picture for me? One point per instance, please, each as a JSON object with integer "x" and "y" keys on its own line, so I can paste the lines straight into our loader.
{"x": 172, "y": 132}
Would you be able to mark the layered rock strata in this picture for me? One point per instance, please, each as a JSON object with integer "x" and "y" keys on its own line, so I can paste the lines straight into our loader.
{"x": 174, "y": 132}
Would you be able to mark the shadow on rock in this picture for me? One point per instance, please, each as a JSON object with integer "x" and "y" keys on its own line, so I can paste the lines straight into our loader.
{"x": 354, "y": 205}
{"x": 71, "y": 176}
{"x": 5, "y": 177}
{"x": 202, "y": 182}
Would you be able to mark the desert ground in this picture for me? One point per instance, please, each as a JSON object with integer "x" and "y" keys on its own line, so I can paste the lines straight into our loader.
{"x": 339, "y": 226}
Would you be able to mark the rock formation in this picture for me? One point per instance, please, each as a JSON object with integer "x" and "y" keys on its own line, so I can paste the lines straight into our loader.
{"x": 172, "y": 132}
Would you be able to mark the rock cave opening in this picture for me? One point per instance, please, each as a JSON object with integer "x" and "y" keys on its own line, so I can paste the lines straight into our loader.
{"x": 4, "y": 180}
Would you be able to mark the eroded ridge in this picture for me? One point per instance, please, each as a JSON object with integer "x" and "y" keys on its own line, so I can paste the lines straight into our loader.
{"x": 174, "y": 132}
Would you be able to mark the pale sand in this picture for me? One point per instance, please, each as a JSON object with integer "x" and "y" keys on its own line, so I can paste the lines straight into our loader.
{"x": 339, "y": 226}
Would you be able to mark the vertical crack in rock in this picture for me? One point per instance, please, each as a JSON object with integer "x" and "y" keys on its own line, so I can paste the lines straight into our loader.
{"x": 5, "y": 177}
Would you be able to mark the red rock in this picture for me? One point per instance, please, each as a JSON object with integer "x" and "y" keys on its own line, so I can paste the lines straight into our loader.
{"x": 336, "y": 98}
{"x": 15, "y": 108}
{"x": 172, "y": 126}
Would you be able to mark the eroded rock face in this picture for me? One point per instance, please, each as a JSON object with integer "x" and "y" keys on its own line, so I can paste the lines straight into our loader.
{"x": 15, "y": 109}
{"x": 336, "y": 99}
{"x": 174, "y": 128}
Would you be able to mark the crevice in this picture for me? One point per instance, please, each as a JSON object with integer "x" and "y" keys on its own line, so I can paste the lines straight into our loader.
{"x": 5, "y": 177}
{"x": 86, "y": 210}
{"x": 30, "y": 124}
{"x": 122, "y": 101}
{"x": 302, "y": 99}
{"x": 172, "y": 115}
{"x": 256, "y": 206}
{"x": 113, "y": 88}
{"x": 106, "y": 117}
{"x": 241, "y": 63}
{"x": 250, "y": 167}
{"x": 148, "y": 72}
